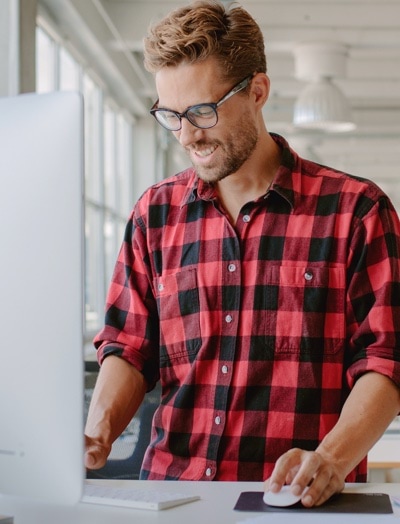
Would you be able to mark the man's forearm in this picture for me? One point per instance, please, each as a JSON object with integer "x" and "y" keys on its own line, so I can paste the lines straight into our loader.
{"x": 117, "y": 395}
{"x": 369, "y": 409}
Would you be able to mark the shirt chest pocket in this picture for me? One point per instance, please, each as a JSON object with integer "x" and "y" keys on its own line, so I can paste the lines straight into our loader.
{"x": 306, "y": 308}
{"x": 179, "y": 313}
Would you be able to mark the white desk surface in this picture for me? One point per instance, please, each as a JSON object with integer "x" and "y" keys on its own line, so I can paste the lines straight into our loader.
{"x": 215, "y": 507}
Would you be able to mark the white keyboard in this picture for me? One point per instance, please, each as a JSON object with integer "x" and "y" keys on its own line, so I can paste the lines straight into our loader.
{"x": 135, "y": 498}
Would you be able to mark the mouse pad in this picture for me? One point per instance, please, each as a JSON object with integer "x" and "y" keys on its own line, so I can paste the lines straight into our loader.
{"x": 340, "y": 503}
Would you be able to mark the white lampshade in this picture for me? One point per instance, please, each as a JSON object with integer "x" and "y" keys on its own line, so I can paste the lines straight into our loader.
{"x": 321, "y": 105}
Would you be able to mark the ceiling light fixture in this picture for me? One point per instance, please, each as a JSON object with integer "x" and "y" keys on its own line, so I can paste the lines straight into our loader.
{"x": 321, "y": 105}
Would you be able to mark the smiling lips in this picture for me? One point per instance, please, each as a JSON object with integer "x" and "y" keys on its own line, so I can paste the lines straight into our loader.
{"x": 204, "y": 152}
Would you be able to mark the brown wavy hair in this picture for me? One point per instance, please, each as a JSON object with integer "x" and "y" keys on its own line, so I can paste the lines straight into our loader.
{"x": 203, "y": 29}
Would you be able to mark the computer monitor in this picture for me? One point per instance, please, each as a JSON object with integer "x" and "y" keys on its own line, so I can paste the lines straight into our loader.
{"x": 41, "y": 296}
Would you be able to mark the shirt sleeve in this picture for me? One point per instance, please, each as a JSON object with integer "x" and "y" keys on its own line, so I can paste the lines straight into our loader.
{"x": 131, "y": 327}
{"x": 373, "y": 301}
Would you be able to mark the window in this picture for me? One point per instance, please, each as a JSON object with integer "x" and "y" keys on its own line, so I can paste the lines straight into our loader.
{"x": 108, "y": 167}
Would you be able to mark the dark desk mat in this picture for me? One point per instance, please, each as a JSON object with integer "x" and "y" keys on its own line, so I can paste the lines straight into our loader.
{"x": 340, "y": 503}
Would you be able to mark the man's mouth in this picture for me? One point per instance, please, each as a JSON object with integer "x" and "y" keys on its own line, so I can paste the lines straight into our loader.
{"x": 205, "y": 152}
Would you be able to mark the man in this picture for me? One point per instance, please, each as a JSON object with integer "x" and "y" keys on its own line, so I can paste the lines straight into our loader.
{"x": 260, "y": 288}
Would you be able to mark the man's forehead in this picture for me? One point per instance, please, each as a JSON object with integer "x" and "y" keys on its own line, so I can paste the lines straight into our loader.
{"x": 188, "y": 84}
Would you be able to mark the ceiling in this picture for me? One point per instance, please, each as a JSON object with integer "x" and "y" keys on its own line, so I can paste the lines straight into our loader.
{"x": 370, "y": 30}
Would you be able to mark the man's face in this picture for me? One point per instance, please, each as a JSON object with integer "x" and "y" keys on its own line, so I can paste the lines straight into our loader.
{"x": 223, "y": 149}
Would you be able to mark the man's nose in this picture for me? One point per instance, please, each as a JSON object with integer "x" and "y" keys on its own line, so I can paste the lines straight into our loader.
{"x": 188, "y": 133}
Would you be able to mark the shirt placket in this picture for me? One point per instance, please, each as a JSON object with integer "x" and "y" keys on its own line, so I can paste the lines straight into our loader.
{"x": 231, "y": 286}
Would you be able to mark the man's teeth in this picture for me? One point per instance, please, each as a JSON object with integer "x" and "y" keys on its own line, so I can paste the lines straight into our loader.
{"x": 206, "y": 152}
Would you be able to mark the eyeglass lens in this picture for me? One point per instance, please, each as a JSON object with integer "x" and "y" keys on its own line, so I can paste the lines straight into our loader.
{"x": 202, "y": 115}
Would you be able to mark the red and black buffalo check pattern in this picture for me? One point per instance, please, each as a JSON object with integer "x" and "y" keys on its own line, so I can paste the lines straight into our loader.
{"x": 257, "y": 331}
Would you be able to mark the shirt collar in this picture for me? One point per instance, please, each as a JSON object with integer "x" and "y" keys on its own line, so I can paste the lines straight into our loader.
{"x": 197, "y": 189}
{"x": 287, "y": 181}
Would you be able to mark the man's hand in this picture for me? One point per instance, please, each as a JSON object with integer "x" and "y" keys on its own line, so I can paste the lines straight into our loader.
{"x": 306, "y": 469}
{"x": 96, "y": 453}
{"x": 372, "y": 404}
{"x": 118, "y": 393}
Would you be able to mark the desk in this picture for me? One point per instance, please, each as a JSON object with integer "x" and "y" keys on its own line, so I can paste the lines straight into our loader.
{"x": 215, "y": 507}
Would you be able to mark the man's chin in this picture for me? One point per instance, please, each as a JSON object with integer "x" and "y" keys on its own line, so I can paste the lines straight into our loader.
{"x": 210, "y": 176}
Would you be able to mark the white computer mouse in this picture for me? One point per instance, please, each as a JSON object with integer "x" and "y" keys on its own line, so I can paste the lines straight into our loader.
{"x": 283, "y": 498}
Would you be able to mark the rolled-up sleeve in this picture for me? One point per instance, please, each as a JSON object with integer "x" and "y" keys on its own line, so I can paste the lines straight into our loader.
{"x": 373, "y": 300}
{"x": 131, "y": 329}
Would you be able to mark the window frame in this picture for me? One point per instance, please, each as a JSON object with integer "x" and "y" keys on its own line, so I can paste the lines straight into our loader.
{"x": 105, "y": 218}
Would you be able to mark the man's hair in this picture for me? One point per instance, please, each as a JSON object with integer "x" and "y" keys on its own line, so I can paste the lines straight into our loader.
{"x": 203, "y": 29}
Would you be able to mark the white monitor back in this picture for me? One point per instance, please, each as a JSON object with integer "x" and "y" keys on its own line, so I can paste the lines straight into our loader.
{"x": 41, "y": 297}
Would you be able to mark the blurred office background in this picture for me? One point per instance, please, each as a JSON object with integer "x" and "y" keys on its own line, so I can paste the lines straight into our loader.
{"x": 335, "y": 95}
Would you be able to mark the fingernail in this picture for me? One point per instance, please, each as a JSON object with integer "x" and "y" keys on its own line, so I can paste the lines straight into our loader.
{"x": 274, "y": 487}
{"x": 90, "y": 460}
{"x": 308, "y": 500}
{"x": 296, "y": 490}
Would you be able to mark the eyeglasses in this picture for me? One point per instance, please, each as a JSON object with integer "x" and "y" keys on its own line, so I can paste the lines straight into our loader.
{"x": 203, "y": 116}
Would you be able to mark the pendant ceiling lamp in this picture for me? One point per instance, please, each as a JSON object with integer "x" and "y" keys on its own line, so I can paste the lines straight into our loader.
{"x": 321, "y": 105}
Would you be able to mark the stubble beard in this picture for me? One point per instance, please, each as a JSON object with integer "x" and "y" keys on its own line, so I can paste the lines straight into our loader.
{"x": 236, "y": 150}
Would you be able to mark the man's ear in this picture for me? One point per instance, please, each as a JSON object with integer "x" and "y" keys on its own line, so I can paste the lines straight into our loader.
{"x": 260, "y": 87}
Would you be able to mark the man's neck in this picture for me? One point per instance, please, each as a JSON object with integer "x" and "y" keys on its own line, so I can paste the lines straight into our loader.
{"x": 251, "y": 181}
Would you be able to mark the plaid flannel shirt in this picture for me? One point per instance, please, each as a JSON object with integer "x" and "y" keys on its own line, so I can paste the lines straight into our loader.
{"x": 257, "y": 331}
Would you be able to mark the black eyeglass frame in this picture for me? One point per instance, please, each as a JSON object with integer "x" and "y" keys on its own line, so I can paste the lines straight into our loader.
{"x": 213, "y": 105}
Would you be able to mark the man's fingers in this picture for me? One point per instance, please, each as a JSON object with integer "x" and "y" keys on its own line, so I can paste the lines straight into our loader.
{"x": 94, "y": 461}
{"x": 287, "y": 467}
{"x": 95, "y": 454}
{"x": 310, "y": 464}
{"x": 308, "y": 474}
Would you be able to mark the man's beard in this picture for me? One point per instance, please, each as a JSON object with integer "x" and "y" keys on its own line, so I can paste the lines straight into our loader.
{"x": 237, "y": 149}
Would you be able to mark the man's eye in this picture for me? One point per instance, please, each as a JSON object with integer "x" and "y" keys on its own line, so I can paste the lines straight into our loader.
{"x": 169, "y": 116}
{"x": 202, "y": 111}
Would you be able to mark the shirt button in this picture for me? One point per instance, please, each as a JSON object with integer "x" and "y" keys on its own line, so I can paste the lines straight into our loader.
{"x": 228, "y": 319}
{"x": 208, "y": 472}
{"x": 232, "y": 268}
{"x": 308, "y": 275}
{"x": 224, "y": 369}
{"x": 160, "y": 287}
{"x": 246, "y": 218}
{"x": 217, "y": 420}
